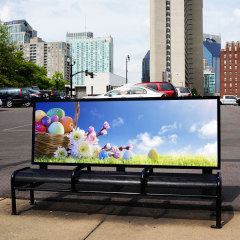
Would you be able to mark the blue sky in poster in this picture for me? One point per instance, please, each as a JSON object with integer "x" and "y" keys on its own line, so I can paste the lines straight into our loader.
{"x": 170, "y": 127}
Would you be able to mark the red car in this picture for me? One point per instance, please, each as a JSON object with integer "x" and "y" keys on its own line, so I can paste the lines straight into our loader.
{"x": 165, "y": 87}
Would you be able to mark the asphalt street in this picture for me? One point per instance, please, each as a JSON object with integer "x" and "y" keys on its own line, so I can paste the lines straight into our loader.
{"x": 15, "y": 151}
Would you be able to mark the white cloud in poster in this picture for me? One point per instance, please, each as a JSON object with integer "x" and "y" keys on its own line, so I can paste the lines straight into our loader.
{"x": 208, "y": 130}
{"x": 208, "y": 149}
{"x": 117, "y": 122}
{"x": 167, "y": 128}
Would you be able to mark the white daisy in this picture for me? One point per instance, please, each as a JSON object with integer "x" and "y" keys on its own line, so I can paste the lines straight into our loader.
{"x": 77, "y": 135}
{"x": 61, "y": 152}
{"x": 96, "y": 151}
{"x": 81, "y": 149}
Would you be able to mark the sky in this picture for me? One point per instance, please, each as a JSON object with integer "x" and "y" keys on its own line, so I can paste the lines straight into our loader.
{"x": 127, "y": 21}
{"x": 168, "y": 129}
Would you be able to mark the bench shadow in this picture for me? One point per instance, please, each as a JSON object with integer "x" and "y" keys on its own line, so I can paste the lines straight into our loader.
{"x": 134, "y": 206}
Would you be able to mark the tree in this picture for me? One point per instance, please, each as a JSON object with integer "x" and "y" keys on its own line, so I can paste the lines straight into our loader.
{"x": 14, "y": 70}
{"x": 194, "y": 92}
{"x": 58, "y": 82}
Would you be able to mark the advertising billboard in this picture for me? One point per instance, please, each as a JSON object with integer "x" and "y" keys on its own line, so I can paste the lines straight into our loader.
{"x": 135, "y": 132}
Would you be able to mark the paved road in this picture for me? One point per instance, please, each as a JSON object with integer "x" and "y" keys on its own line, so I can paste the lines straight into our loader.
{"x": 15, "y": 149}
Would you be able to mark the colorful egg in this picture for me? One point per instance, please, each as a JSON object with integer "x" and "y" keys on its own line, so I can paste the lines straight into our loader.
{"x": 46, "y": 121}
{"x": 39, "y": 127}
{"x": 39, "y": 114}
{"x": 56, "y": 128}
{"x": 67, "y": 123}
{"x": 153, "y": 154}
{"x": 103, "y": 155}
{"x": 54, "y": 118}
{"x": 56, "y": 111}
{"x": 127, "y": 155}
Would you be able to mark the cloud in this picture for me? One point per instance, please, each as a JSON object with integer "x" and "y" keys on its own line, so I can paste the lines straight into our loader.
{"x": 208, "y": 130}
{"x": 173, "y": 138}
{"x": 185, "y": 151}
{"x": 94, "y": 112}
{"x": 117, "y": 122}
{"x": 209, "y": 149}
{"x": 144, "y": 142}
{"x": 167, "y": 128}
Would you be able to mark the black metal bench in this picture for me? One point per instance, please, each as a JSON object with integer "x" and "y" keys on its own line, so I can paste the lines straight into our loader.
{"x": 145, "y": 183}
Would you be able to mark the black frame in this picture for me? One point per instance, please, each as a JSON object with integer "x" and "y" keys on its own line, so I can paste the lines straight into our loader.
{"x": 205, "y": 169}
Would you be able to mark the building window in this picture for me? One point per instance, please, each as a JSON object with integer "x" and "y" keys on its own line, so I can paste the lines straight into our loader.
{"x": 225, "y": 73}
{"x": 235, "y": 79}
{"x": 225, "y": 90}
{"x": 225, "y": 67}
{"x": 230, "y": 85}
{"x": 230, "y": 67}
{"x": 225, "y": 84}
{"x": 225, "y": 79}
{"x": 235, "y": 90}
{"x": 235, "y": 61}
{"x": 236, "y": 55}
{"x": 230, "y": 55}
{"x": 230, "y": 61}
{"x": 235, "y": 67}
{"x": 235, "y": 84}
{"x": 224, "y": 55}
{"x": 225, "y": 61}
{"x": 230, "y": 79}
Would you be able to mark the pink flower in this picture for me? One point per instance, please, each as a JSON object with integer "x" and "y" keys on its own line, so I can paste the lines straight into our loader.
{"x": 130, "y": 147}
{"x": 103, "y": 132}
{"x": 92, "y": 138}
{"x": 90, "y": 129}
{"x": 115, "y": 149}
{"x": 106, "y": 125}
{"x": 107, "y": 146}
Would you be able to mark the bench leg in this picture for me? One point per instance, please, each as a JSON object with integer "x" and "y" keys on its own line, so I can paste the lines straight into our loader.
{"x": 14, "y": 207}
{"x": 31, "y": 197}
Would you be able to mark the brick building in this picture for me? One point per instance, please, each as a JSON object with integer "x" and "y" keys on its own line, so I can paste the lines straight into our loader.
{"x": 230, "y": 69}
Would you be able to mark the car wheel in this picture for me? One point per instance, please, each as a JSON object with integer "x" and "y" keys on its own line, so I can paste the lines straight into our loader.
{"x": 9, "y": 103}
{"x": 27, "y": 104}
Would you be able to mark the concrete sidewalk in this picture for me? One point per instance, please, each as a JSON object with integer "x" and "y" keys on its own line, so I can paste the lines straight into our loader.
{"x": 61, "y": 220}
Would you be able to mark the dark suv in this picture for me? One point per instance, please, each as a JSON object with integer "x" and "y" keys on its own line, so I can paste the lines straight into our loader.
{"x": 165, "y": 87}
{"x": 14, "y": 96}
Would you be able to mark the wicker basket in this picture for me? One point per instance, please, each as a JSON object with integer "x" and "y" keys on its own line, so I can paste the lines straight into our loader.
{"x": 46, "y": 144}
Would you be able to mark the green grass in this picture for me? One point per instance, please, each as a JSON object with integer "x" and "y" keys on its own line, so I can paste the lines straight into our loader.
{"x": 165, "y": 160}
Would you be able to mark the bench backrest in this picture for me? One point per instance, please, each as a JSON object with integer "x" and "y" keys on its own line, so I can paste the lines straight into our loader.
{"x": 170, "y": 132}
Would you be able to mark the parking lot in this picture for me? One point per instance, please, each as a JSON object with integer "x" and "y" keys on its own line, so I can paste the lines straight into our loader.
{"x": 15, "y": 149}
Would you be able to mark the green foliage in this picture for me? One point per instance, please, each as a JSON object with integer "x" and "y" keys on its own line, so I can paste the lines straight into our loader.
{"x": 194, "y": 92}
{"x": 57, "y": 82}
{"x": 14, "y": 70}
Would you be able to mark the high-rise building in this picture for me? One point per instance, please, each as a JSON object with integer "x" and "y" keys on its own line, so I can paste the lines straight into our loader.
{"x": 176, "y": 31}
{"x": 146, "y": 68}
{"x": 89, "y": 53}
{"x": 209, "y": 83}
{"x": 20, "y": 31}
{"x": 230, "y": 69}
{"x": 211, "y": 58}
{"x": 51, "y": 55}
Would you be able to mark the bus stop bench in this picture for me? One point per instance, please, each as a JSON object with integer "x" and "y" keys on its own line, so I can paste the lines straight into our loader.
{"x": 144, "y": 183}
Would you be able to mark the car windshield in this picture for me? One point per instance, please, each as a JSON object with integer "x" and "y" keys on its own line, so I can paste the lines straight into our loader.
{"x": 119, "y": 91}
{"x": 166, "y": 86}
{"x": 151, "y": 89}
{"x": 184, "y": 90}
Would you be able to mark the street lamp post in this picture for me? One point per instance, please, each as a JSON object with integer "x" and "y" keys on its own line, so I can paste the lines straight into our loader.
{"x": 127, "y": 60}
{"x": 71, "y": 75}
{"x": 57, "y": 79}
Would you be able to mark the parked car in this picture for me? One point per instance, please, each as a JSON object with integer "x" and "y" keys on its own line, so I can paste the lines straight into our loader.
{"x": 0, "y": 102}
{"x": 36, "y": 95}
{"x": 50, "y": 94}
{"x": 184, "y": 92}
{"x": 230, "y": 100}
{"x": 130, "y": 92}
{"x": 164, "y": 87}
{"x": 14, "y": 96}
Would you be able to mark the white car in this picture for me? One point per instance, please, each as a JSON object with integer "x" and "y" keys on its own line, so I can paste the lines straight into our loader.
{"x": 184, "y": 92}
{"x": 130, "y": 92}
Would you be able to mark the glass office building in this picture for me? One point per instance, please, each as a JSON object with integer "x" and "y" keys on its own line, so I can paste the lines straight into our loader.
{"x": 209, "y": 83}
{"x": 146, "y": 68}
{"x": 211, "y": 55}
{"x": 20, "y": 31}
{"x": 89, "y": 53}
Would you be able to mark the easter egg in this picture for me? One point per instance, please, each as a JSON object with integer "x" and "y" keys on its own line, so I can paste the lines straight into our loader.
{"x": 103, "y": 155}
{"x": 153, "y": 154}
{"x": 67, "y": 123}
{"x": 127, "y": 155}
{"x": 56, "y": 128}
{"x": 39, "y": 127}
{"x": 54, "y": 118}
{"x": 56, "y": 111}
{"x": 39, "y": 114}
{"x": 46, "y": 121}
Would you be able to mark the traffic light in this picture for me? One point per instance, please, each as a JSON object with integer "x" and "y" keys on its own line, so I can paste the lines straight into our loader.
{"x": 86, "y": 73}
{"x": 91, "y": 74}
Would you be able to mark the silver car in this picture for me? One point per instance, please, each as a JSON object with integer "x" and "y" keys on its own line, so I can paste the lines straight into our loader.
{"x": 131, "y": 92}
